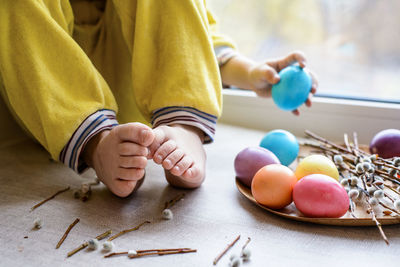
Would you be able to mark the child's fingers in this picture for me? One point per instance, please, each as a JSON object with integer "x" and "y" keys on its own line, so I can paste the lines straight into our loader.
{"x": 309, "y": 100}
{"x": 296, "y": 112}
{"x": 314, "y": 85}
{"x": 269, "y": 74}
{"x": 293, "y": 57}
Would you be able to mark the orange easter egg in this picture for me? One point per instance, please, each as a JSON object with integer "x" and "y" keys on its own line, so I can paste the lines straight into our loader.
{"x": 272, "y": 186}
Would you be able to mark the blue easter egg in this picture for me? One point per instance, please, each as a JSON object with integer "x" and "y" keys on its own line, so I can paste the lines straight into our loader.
{"x": 283, "y": 144}
{"x": 293, "y": 88}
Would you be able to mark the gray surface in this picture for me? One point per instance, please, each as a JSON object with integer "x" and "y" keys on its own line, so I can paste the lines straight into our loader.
{"x": 207, "y": 219}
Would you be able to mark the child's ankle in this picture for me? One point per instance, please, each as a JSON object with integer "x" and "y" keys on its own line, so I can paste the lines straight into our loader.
{"x": 90, "y": 148}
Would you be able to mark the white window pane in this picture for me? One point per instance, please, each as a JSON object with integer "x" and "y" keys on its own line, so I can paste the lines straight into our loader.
{"x": 353, "y": 46}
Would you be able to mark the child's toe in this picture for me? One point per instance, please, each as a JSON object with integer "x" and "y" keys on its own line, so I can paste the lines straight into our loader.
{"x": 182, "y": 166}
{"x": 164, "y": 150}
{"x": 133, "y": 162}
{"x": 173, "y": 158}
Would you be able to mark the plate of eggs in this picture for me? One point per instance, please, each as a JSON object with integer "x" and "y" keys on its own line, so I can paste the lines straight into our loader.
{"x": 297, "y": 183}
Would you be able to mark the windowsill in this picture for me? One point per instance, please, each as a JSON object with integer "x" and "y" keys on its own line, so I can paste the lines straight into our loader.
{"x": 328, "y": 117}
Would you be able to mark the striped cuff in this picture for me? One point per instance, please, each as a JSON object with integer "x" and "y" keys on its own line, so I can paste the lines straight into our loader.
{"x": 99, "y": 121}
{"x": 224, "y": 54}
{"x": 188, "y": 116}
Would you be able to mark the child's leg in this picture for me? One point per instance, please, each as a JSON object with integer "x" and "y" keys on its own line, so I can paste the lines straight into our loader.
{"x": 175, "y": 80}
{"x": 58, "y": 95}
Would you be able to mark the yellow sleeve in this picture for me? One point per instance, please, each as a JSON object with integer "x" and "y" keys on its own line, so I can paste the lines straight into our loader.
{"x": 48, "y": 81}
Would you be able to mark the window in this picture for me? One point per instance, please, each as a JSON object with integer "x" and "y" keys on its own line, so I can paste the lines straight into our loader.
{"x": 352, "y": 46}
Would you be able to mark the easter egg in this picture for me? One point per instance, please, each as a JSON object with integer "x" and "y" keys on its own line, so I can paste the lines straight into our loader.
{"x": 283, "y": 144}
{"x": 272, "y": 186}
{"x": 317, "y": 164}
{"x": 293, "y": 88}
{"x": 386, "y": 143}
{"x": 320, "y": 196}
{"x": 250, "y": 160}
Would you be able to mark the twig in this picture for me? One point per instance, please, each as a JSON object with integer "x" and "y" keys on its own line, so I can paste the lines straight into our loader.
{"x": 319, "y": 138}
{"x": 351, "y": 208}
{"x": 225, "y": 250}
{"x": 385, "y": 206}
{"x": 387, "y": 165}
{"x": 127, "y": 231}
{"x": 47, "y": 199}
{"x": 67, "y": 232}
{"x": 247, "y": 242}
{"x": 84, "y": 245}
{"x": 388, "y": 187}
{"x": 172, "y": 202}
{"x": 378, "y": 224}
{"x": 355, "y": 139}
{"x": 154, "y": 251}
{"x": 346, "y": 141}
{"x": 386, "y": 176}
{"x": 164, "y": 253}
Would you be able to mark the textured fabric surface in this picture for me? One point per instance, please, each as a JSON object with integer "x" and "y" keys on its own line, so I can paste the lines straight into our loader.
{"x": 207, "y": 219}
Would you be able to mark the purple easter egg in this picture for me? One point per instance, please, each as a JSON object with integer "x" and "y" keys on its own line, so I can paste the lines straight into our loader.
{"x": 250, "y": 160}
{"x": 386, "y": 143}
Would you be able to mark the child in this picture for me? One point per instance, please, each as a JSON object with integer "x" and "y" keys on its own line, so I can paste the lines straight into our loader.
{"x": 85, "y": 77}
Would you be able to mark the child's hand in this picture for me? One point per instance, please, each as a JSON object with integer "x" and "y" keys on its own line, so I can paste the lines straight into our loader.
{"x": 263, "y": 76}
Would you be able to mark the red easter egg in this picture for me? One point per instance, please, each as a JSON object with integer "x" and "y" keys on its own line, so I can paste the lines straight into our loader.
{"x": 320, "y": 196}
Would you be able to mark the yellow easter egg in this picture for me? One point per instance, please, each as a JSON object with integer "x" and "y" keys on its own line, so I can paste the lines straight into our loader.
{"x": 316, "y": 164}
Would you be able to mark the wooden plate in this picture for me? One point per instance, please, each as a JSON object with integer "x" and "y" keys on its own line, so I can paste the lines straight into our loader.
{"x": 290, "y": 212}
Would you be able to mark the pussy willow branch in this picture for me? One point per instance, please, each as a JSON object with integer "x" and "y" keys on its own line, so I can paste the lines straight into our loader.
{"x": 67, "y": 232}
{"x": 173, "y": 201}
{"x": 127, "y": 231}
{"x": 51, "y": 197}
{"x": 84, "y": 245}
{"x": 225, "y": 250}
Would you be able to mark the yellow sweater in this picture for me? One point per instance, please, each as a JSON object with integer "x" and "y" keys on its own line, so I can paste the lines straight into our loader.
{"x": 69, "y": 71}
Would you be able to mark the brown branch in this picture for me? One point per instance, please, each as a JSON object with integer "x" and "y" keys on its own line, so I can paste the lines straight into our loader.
{"x": 67, "y": 232}
{"x": 247, "y": 242}
{"x": 323, "y": 140}
{"x": 387, "y": 165}
{"x": 84, "y": 245}
{"x": 351, "y": 208}
{"x": 173, "y": 201}
{"x": 115, "y": 254}
{"x": 153, "y": 251}
{"x": 355, "y": 139}
{"x": 388, "y": 187}
{"x": 225, "y": 250}
{"x": 385, "y": 206}
{"x": 378, "y": 224}
{"x": 51, "y": 197}
{"x": 160, "y": 253}
{"x": 127, "y": 231}
{"x": 386, "y": 176}
{"x": 346, "y": 141}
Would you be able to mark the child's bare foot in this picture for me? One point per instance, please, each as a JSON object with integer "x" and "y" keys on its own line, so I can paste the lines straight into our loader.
{"x": 119, "y": 156}
{"x": 179, "y": 149}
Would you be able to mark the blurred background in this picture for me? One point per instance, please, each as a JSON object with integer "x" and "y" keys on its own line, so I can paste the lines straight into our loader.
{"x": 352, "y": 46}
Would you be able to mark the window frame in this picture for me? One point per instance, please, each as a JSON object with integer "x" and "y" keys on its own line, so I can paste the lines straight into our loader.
{"x": 328, "y": 117}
